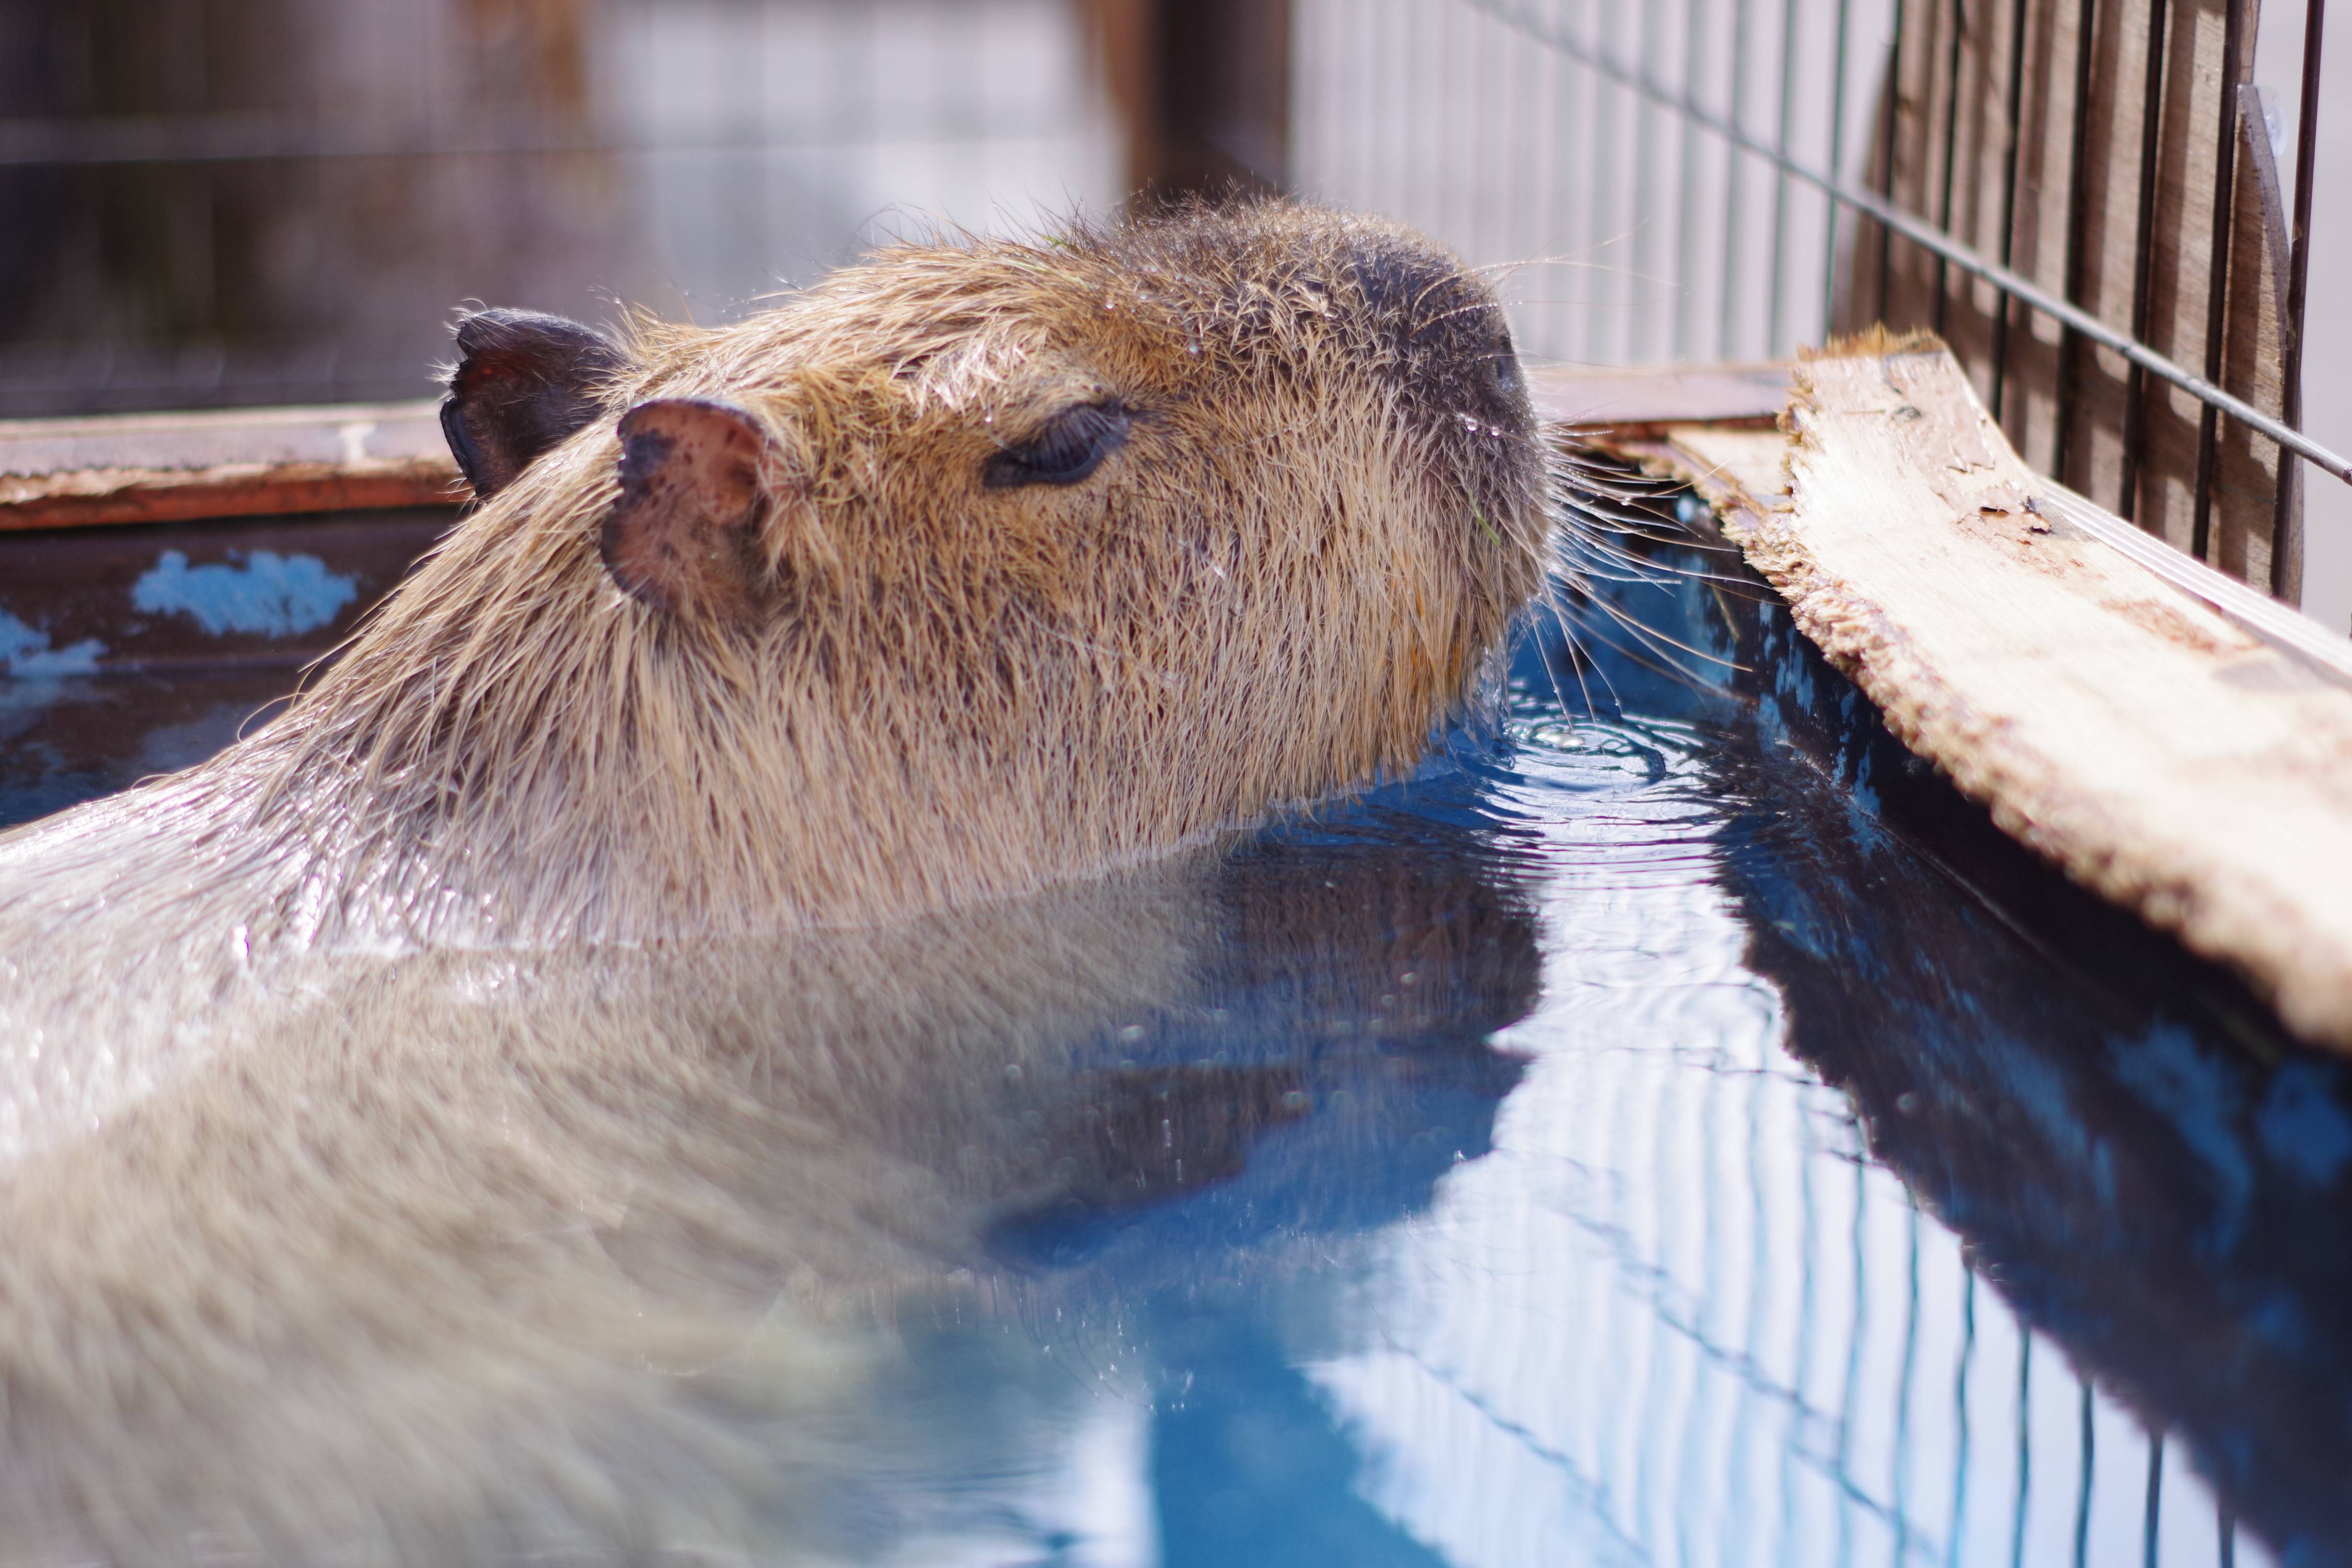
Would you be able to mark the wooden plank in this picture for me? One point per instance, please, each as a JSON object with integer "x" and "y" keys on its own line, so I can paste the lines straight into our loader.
{"x": 1646, "y": 398}
{"x": 181, "y": 466}
{"x": 2159, "y": 751}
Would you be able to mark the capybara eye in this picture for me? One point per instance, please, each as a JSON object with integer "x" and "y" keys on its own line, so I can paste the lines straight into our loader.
{"x": 1066, "y": 448}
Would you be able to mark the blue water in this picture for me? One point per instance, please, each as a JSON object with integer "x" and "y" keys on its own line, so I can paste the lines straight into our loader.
{"x": 1670, "y": 1127}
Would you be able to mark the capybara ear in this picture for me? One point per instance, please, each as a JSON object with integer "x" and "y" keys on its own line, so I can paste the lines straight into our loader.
{"x": 684, "y": 536}
{"x": 523, "y": 382}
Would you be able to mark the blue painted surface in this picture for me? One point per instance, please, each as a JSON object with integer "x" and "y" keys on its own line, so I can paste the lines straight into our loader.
{"x": 265, "y": 593}
{"x": 25, "y": 653}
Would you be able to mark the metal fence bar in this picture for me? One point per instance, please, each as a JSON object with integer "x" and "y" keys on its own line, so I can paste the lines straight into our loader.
{"x": 2024, "y": 1448}
{"x": 2217, "y": 290}
{"x": 1837, "y": 161}
{"x": 2083, "y": 1483}
{"x": 2016, "y": 152}
{"x": 1918, "y": 231}
{"x": 1645, "y": 185}
{"x": 1742, "y": 19}
{"x": 1886, "y": 163}
{"x": 1961, "y": 1409}
{"x": 2289, "y": 547}
{"x": 1774, "y": 342}
{"x": 1687, "y": 238}
{"x": 2070, "y": 347}
{"x": 1951, "y": 156}
{"x": 2151, "y": 141}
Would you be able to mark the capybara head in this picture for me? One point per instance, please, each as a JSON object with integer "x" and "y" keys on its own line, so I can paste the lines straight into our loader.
{"x": 971, "y": 567}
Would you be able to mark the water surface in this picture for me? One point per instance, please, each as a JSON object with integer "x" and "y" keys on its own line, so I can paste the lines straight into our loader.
{"x": 1672, "y": 1126}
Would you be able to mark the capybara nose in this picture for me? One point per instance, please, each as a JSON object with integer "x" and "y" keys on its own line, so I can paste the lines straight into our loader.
{"x": 1446, "y": 336}
{"x": 1406, "y": 287}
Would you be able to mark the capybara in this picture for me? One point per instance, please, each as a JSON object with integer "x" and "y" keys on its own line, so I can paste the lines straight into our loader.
{"x": 821, "y": 717}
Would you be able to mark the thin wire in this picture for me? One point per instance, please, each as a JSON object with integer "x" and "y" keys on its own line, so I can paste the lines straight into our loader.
{"x": 1687, "y": 238}
{"x": 1961, "y": 1416}
{"x": 2082, "y": 1488}
{"x": 2078, "y": 213}
{"x": 2151, "y": 147}
{"x": 1951, "y": 156}
{"x": 1775, "y": 340}
{"x": 1639, "y": 346}
{"x": 1886, "y": 156}
{"x": 1837, "y": 163}
{"x": 1921, "y": 233}
{"x": 1734, "y": 175}
{"x": 2008, "y": 201}
{"x": 2217, "y": 282}
{"x": 2286, "y": 525}
{"x": 2024, "y": 1448}
{"x": 1605, "y": 283}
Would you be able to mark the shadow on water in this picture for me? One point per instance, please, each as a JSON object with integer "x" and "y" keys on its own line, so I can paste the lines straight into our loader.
{"x": 2132, "y": 1153}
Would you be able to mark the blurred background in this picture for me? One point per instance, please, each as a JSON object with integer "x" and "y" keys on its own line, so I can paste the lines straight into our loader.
{"x": 227, "y": 202}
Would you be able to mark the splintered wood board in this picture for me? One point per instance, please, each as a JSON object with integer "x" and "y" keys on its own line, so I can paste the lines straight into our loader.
{"x": 2170, "y": 739}
{"x": 1634, "y": 398}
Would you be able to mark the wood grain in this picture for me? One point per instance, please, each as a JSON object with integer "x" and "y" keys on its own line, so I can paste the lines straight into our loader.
{"x": 2160, "y": 751}
{"x": 2084, "y": 243}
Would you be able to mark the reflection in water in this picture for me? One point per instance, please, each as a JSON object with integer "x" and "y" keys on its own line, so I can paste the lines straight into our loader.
{"x": 1683, "y": 1133}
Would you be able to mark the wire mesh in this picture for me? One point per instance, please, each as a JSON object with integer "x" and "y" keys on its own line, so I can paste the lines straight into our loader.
{"x": 2082, "y": 197}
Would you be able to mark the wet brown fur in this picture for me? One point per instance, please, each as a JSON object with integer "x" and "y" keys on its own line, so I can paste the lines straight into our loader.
{"x": 1276, "y": 590}
{"x": 337, "y": 1073}
{"x": 1297, "y": 567}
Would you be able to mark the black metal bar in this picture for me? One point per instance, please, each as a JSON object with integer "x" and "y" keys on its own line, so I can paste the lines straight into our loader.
{"x": 2217, "y": 284}
{"x": 2017, "y": 9}
{"x": 2154, "y": 1512}
{"x": 2151, "y": 145}
{"x": 1734, "y": 171}
{"x": 2078, "y": 212}
{"x": 1886, "y": 156}
{"x": 1776, "y": 316}
{"x": 2286, "y": 525}
{"x": 2226, "y": 1524}
{"x": 1837, "y": 161}
{"x": 1951, "y": 153}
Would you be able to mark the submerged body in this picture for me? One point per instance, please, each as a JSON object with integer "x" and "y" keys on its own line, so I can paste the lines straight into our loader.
{"x": 934, "y": 667}
{"x": 648, "y": 856}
